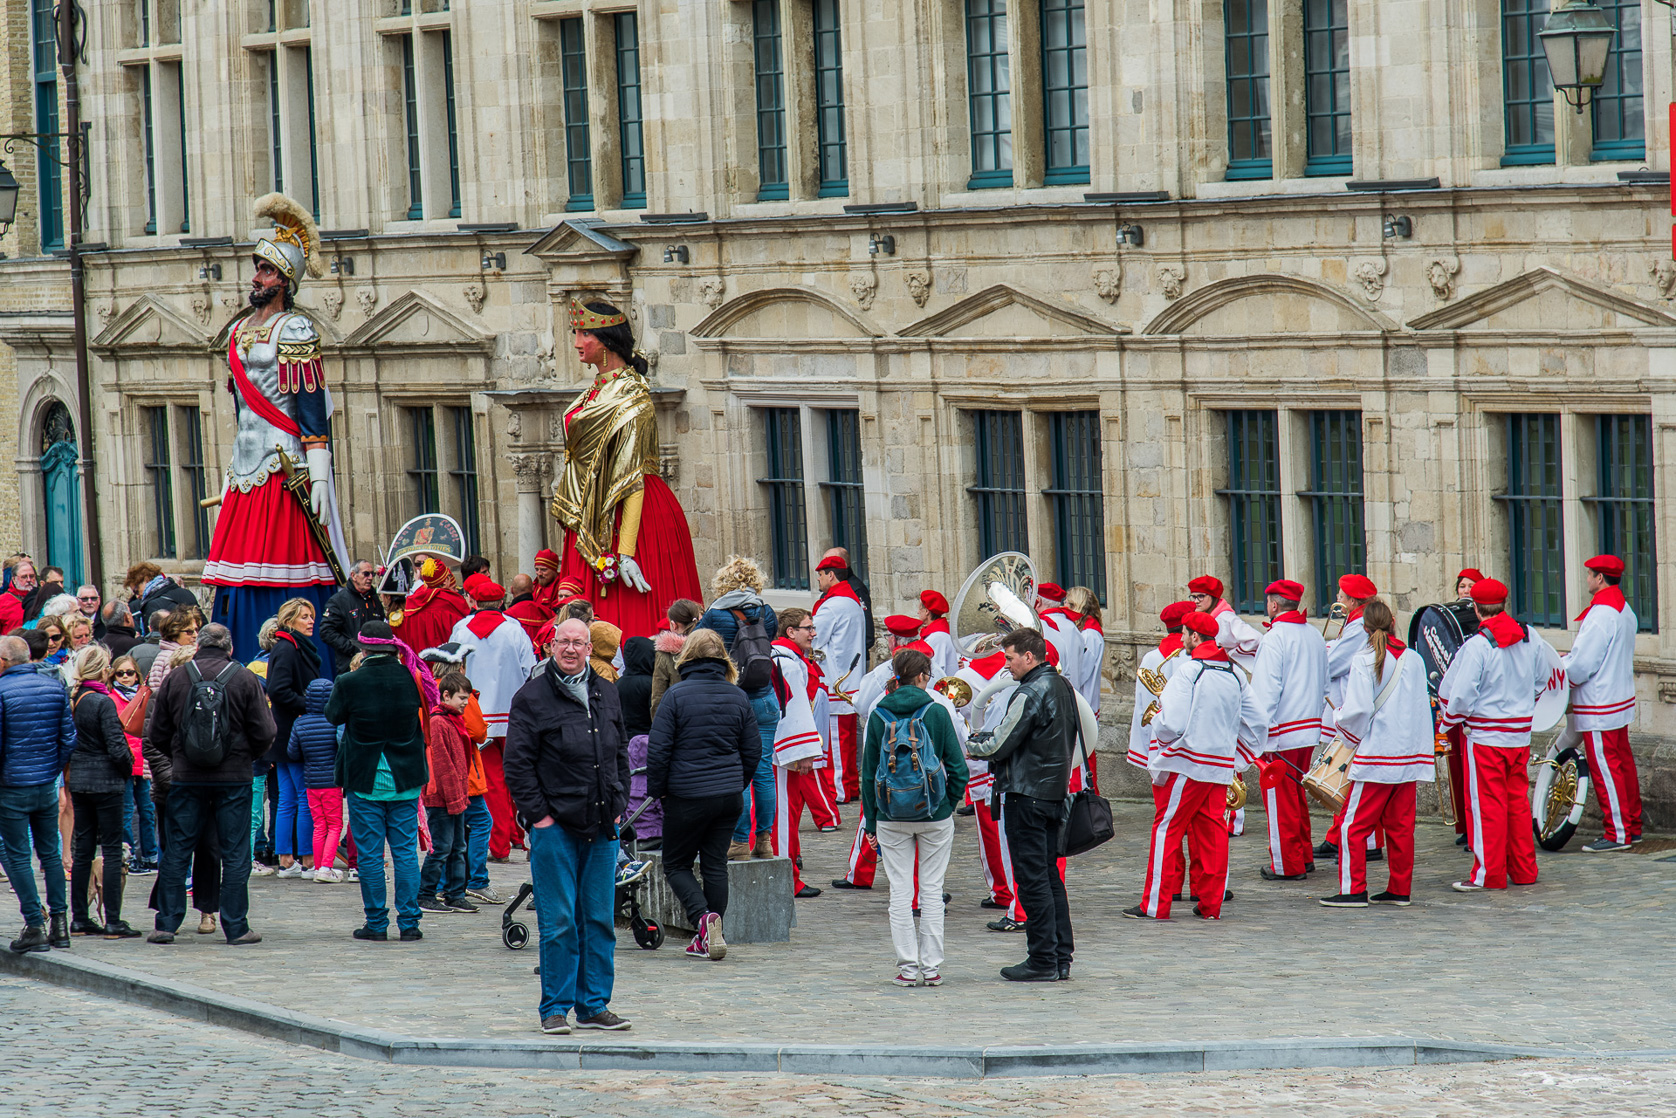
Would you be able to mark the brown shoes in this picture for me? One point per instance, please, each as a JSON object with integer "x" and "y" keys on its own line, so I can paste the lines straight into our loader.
{"x": 765, "y": 845}
{"x": 738, "y": 851}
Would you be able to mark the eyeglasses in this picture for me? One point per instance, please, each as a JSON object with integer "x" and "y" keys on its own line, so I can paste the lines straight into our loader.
{"x": 572, "y": 644}
{"x": 801, "y": 629}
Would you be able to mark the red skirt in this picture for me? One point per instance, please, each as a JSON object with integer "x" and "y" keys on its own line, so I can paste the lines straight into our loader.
{"x": 665, "y": 555}
{"x": 262, "y": 538}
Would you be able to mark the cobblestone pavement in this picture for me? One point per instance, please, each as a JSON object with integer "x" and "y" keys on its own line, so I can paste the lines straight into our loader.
{"x": 1579, "y": 961}
{"x": 64, "y": 1047}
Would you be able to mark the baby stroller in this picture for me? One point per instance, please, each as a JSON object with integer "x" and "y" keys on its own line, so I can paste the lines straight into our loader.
{"x": 631, "y": 875}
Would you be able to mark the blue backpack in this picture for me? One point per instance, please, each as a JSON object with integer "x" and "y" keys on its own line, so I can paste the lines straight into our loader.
{"x": 910, "y": 782}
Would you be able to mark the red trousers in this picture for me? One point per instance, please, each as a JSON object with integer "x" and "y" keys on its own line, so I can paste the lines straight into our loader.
{"x": 1191, "y": 810}
{"x": 996, "y": 865}
{"x": 795, "y": 791}
{"x": 1177, "y": 869}
{"x": 844, "y": 769}
{"x": 505, "y": 834}
{"x": 1290, "y": 849}
{"x": 864, "y": 861}
{"x": 822, "y": 798}
{"x": 1617, "y": 783}
{"x": 1374, "y": 841}
{"x": 1391, "y": 807}
{"x": 1458, "y": 778}
{"x": 1498, "y": 803}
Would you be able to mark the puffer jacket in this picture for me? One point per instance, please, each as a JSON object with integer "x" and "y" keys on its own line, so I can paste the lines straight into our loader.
{"x": 634, "y": 686}
{"x": 37, "y": 732}
{"x": 705, "y": 740}
{"x": 719, "y": 617}
{"x": 1030, "y": 753}
{"x": 565, "y": 759}
{"x": 314, "y": 741}
{"x": 102, "y": 760}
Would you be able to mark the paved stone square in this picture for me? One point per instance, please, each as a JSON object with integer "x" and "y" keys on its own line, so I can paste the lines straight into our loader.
{"x": 1528, "y": 967}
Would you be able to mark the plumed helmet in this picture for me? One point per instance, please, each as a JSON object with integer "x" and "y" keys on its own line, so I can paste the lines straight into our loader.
{"x": 294, "y": 245}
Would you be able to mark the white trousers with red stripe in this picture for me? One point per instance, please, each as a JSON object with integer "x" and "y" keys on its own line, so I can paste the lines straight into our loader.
{"x": 1499, "y": 806}
{"x": 992, "y": 855}
{"x": 795, "y": 792}
{"x": 1617, "y": 782}
{"x": 1391, "y": 808}
{"x": 1290, "y": 849}
{"x": 1196, "y": 811}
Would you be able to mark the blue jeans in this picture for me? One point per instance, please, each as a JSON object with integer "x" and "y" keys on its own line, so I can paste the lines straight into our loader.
{"x": 478, "y": 825}
{"x": 445, "y": 866}
{"x": 224, "y": 811}
{"x": 30, "y": 815}
{"x": 291, "y": 817}
{"x": 139, "y": 822}
{"x": 575, "y": 905}
{"x": 396, "y": 822}
{"x": 767, "y": 709}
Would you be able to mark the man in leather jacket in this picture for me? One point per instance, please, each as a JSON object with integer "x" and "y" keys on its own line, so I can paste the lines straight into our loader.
{"x": 347, "y": 611}
{"x": 1030, "y": 755}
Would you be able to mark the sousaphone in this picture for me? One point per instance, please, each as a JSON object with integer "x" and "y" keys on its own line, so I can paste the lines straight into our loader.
{"x": 993, "y": 601}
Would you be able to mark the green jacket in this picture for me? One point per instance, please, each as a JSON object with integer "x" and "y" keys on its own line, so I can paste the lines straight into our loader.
{"x": 378, "y": 708}
{"x": 902, "y": 702}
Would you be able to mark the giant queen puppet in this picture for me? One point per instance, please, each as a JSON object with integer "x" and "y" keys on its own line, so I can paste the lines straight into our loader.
{"x": 278, "y": 535}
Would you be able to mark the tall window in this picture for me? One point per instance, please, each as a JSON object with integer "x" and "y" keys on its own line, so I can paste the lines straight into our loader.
{"x": 989, "y": 93}
{"x": 276, "y": 133}
{"x": 178, "y": 73}
{"x": 1624, "y": 507}
{"x": 148, "y": 119}
{"x": 1079, "y": 521}
{"x": 844, "y": 486}
{"x": 1327, "y": 86}
{"x": 631, "y": 138}
{"x": 1246, "y": 57}
{"x": 158, "y": 469}
{"x": 464, "y": 473}
{"x": 410, "y": 92}
{"x": 313, "y": 151}
{"x": 773, "y": 181}
{"x": 1536, "y": 529}
{"x": 422, "y": 473}
{"x": 1253, "y": 505}
{"x": 1335, "y": 496}
{"x": 197, "y": 477}
{"x": 573, "y": 59}
{"x": 787, "y": 519}
{"x": 453, "y": 131}
{"x": 999, "y": 441}
{"x": 46, "y": 120}
{"x": 1065, "y": 91}
{"x": 829, "y": 101}
{"x": 1619, "y": 127}
{"x": 1527, "y": 90}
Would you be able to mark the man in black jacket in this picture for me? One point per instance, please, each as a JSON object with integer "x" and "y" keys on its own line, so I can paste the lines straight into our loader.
{"x": 1030, "y": 755}
{"x": 567, "y": 769}
{"x": 347, "y": 611}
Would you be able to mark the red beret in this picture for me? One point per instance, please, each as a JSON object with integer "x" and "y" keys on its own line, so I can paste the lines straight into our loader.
{"x": 547, "y": 558}
{"x": 1471, "y": 572}
{"x": 1206, "y": 584}
{"x": 1202, "y": 623}
{"x": 1358, "y": 586}
{"x": 902, "y": 625}
{"x": 933, "y": 601}
{"x": 482, "y": 588}
{"x": 832, "y": 563}
{"x": 1172, "y": 614}
{"x": 1286, "y": 588}
{"x": 544, "y": 635}
{"x": 1489, "y": 592}
{"x": 1053, "y": 592}
{"x": 1606, "y": 565}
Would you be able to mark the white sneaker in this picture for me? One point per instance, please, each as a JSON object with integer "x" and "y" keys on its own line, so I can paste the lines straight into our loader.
{"x": 1466, "y": 887}
{"x": 294, "y": 870}
{"x": 258, "y": 869}
{"x": 328, "y": 877}
{"x": 352, "y": 875}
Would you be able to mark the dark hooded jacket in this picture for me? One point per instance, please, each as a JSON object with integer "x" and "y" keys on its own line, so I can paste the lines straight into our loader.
{"x": 634, "y": 686}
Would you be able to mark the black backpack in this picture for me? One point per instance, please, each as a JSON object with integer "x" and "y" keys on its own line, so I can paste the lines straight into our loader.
{"x": 752, "y": 652}
{"x": 204, "y": 726}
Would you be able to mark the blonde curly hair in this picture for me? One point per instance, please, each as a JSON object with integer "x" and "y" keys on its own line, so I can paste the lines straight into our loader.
{"x": 739, "y": 573}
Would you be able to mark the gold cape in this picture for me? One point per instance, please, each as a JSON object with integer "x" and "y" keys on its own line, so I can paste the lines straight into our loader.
{"x": 610, "y": 447}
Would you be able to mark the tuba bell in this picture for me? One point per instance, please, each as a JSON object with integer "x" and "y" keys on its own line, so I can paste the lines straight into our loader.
{"x": 993, "y": 601}
{"x": 954, "y": 689}
{"x": 1236, "y": 794}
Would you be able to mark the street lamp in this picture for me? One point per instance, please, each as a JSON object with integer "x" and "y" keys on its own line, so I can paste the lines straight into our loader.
{"x": 1577, "y": 39}
{"x": 8, "y": 198}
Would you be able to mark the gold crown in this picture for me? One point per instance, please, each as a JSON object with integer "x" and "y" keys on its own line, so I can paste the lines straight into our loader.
{"x": 581, "y": 318}
{"x": 289, "y": 235}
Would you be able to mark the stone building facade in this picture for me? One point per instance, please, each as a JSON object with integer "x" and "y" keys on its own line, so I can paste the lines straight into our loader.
{"x": 1147, "y": 289}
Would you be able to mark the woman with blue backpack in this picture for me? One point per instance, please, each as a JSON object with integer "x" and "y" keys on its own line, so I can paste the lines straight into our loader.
{"x": 913, "y": 776}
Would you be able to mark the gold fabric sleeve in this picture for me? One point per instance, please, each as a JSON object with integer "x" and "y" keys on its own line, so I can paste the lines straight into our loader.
{"x": 628, "y": 532}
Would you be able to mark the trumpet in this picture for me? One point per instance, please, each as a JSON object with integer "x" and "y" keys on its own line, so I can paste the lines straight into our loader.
{"x": 1338, "y": 613}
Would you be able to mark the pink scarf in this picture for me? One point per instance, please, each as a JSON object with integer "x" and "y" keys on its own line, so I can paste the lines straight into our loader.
{"x": 421, "y": 674}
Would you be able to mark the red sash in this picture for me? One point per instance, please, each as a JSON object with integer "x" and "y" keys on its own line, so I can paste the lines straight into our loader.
{"x": 252, "y": 396}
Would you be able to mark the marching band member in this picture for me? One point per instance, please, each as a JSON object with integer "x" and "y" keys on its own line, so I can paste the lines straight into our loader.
{"x": 1061, "y": 631}
{"x": 841, "y": 633}
{"x": 1288, "y": 682}
{"x": 1456, "y": 757}
{"x": 1601, "y": 670}
{"x": 1162, "y": 662}
{"x": 1082, "y": 606}
{"x": 1464, "y": 583}
{"x": 1209, "y": 729}
{"x": 1233, "y": 635}
{"x": 1490, "y": 688}
{"x": 1354, "y": 592}
{"x": 1387, "y": 717}
{"x": 934, "y": 631}
{"x": 799, "y": 748}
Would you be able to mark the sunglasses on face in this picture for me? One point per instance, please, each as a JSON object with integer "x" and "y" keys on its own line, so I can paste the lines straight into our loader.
{"x": 126, "y": 671}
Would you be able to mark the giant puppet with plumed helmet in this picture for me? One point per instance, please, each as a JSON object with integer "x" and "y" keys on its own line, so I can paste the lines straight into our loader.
{"x": 627, "y": 546}
{"x": 278, "y": 535}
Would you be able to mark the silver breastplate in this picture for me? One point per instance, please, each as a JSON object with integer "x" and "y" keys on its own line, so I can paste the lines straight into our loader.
{"x": 255, "y": 456}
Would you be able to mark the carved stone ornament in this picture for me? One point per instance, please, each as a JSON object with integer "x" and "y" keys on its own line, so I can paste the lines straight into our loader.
{"x": 532, "y": 470}
{"x": 864, "y": 286}
{"x": 1441, "y": 275}
{"x": 475, "y": 293}
{"x": 333, "y": 298}
{"x": 1663, "y": 272}
{"x": 368, "y": 298}
{"x": 919, "y": 287}
{"x": 652, "y": 357}
{"x": 669, "y": 462}
{"x": 201, "y": 308}
{"x": 232, "y": 302}
{"x": 515, "y": 425}
{"x": 1170, "y": 279}
{"x": 711, "y": 289}
{"x": 1108, "y": 282}
{"x": 106, "y": 312}
{"x": 1371, "y": 275}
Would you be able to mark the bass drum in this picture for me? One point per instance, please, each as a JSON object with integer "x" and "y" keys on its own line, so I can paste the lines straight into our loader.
{"x": 1437, "y": 633}
{"x": 1558, "y": 796}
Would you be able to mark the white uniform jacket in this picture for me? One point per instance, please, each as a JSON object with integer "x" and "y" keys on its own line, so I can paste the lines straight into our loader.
{"x": 1601, "y": 665}
{"x": 841, "y": 633}
{"x": 1341, "y": 653}
{"x": 1143, "y": 744}
{"x": 1093, "y": 663}
{"x": 1066, "y": 640}
{"x": 497, "y": 666}
{"x": 799, "y": 736}
{"x": 945, "y": 658}
{"x": 1233, "y": 636}
{"x": 1492, "y": 691}
{"x": 1394, "y": 744}
{"x": 1208, "y": 724}
{"x": 870, "y": 690}
{"x": 1289, "y": 681}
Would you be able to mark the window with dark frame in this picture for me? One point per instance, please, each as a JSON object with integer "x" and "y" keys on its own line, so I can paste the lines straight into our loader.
{"x": 787, "y": 516}
{"x": 1335, "y": 498}
{"x": 630, "y": 112}
{"x": 845, "y": 491}
{"x": 148, "y": 119}
{"x": 1253, "y": 506}
{"x": 579, "y": 160}
{"x": 197, "y": 477}
{"x": 313, "y": 149}
{"x": 1536, "y": 527}
{"x": 1624, "y": 509}
{"x": 453, "y": 124}
{"x": 768, "y": 53}
{"x": 1620, "y": 128}
{"x": 276, "y": 147}
{"x": 48, "y": 174}
{"x": 180, "y": 104}
{"x": 159, "y": 468}
{"x": 998, "y": 439}
{"x": 989, "y": 94}
{"x": 1527, "y": 89}
{"x": 829, "y": 101}
{"x": 1078, "y": 496}
{"x": 1245, "y": 29}
{"x": 423, "y": 473}
{"x": 1065, "y": 92}
{"x": 464, "y": 473}
{"x": 1327, "y": 87}
{"x": 410, "y": 91}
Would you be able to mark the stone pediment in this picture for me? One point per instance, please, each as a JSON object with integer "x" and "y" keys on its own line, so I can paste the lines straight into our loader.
{"x": 1005, "y": 311}
{"x": 1252, "y": 306}
{"x": 786, "y": 313}
{"x": 151, "y": 324}
{"x": 578, "y": 240}
{"x": 419, "y": 324}
{"x": 1546, "y": 301}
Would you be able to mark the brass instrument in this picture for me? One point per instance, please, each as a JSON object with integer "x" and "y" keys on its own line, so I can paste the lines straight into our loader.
{"x": 1338, "y": 613}
{"x": 993, "y": 601}
{"x": 954, "y": 689}
{"x": 1154, "y": 682}
{"x": 1445, "y": 789}
{"x": 818, "y": 655}
{"x": 1236, "y": 794}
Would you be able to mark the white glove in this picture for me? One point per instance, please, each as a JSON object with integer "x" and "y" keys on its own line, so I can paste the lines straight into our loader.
{"x": 628, "y": 573}
{"x": 320, "y": 480}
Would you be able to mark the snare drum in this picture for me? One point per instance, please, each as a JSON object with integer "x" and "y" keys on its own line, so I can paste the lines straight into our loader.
{"x": 1329, "y": 780}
